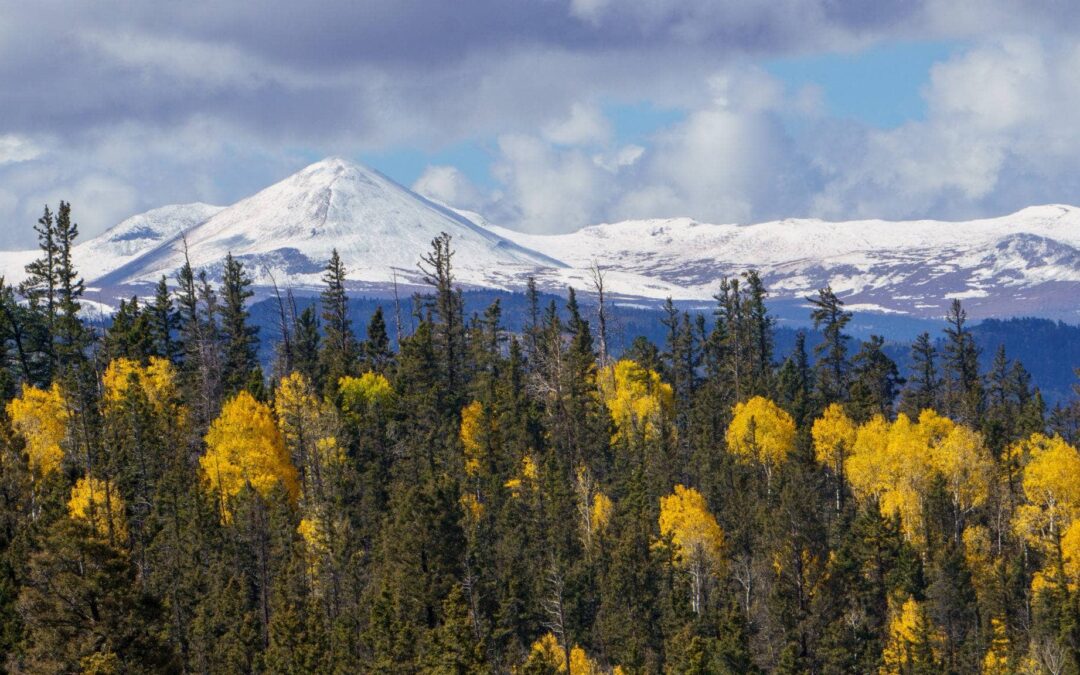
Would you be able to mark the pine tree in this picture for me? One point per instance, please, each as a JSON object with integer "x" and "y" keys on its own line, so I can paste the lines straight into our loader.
{"x": 40, "y": 288}
{"x": 875, "y": 381}
{"x": 339, "y": 348}
{"x": 963, "y": 386}
{"x": 72, "y": 338}
{"x": 306, "y": 342}
{"x": 447, "y": 309}
{"x": 377, "y": 354}
{"x": 924, "y": 385}
{"x": 832, "y": 369}
{"x": 240, "y": 338}
{"x": 163, "y": 322}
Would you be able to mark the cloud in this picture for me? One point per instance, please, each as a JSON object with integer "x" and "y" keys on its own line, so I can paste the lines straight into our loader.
{"x": 17, "y": 149}
{"x": 137, "y": 105}
{"x": 584, "y": 125}
{"x": 448, "y": 185}
{"x": 1000, "y": 134}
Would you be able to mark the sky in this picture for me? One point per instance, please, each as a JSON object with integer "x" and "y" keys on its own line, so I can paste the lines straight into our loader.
{"x": 546, "y": 115}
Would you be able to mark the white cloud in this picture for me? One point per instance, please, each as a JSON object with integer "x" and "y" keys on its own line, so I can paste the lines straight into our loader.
{"x": 585, "y": 125}
{"x": 448, "y": 185}
{"x": 15, "y": 148}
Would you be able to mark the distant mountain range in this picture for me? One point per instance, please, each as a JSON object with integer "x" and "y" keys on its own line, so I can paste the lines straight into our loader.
{"x": 1024, "y": 264}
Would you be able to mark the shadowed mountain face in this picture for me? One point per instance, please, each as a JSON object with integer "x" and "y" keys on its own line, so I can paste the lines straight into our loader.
{"x": 1027, "y": 263}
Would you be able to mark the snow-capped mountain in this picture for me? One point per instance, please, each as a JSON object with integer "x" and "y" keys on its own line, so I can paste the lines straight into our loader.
{"x": 1027, "y": 263}
{"x": 287, "y": 232}
{"x": 137, "y": 235}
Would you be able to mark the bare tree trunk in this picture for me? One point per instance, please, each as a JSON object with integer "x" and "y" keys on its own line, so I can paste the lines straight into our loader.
{"x": 598, "y": 286}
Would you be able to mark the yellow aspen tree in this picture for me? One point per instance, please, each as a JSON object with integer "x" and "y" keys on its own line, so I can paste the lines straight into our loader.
{"x": 962, "y": 458}
{"x": 526, "y": 479}
{"x": 98, "y": 503}
{"x": 996, "y": 661}
{"x": 639, "y": 402}
{"x": 761, "y": 432}
{"x": 308, "y": 429}
{"x": 244, "y": 447}
{"x": 40, "y": 416}
{"x": 472, "y": 437}
{"x": 367, "y": 392}
{"x": 834, "y": 436}
{"x": 157, "y": 379}
{"x": 594, "y": 507}
{"x": 1051, "y": 486}
{"x": 547, "y": 654}
{"x": 892, "y": 464}
{"x": 697, "y": 538}
{"x": 911, "y": 643}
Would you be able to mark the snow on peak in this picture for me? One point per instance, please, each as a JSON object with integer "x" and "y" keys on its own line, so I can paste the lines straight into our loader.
{"x": 289, "y": 230}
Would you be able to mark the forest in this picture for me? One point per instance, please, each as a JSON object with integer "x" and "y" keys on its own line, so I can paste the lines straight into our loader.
{"x": 468, "y": 499}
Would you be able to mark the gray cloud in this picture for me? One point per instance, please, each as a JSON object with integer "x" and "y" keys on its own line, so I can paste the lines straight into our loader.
{"x": 133, "y": 105}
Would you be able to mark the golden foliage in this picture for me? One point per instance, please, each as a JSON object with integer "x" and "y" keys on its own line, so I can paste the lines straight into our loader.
{"x": 308, "y": 427}
{"x": 639, "y": 402}
{"x": 1051, "y": 484}
{"x": 526, "y": 478}
{"x": 41, "y": 417}
{"x": 98, "y": 503}
{"x": 472, "y": 435}
{"x": 911, "y": 640}
{"x": 996, "y": 661}
{"x": 697, "y": 537}
{"x": 600, "y": 514}
{"x": 762, "y": 432}
{"x": 834, "y": 435}
{"x": 369, "y": 391}
{"x": 895, "y": 463}
{"x": 244, "y": 447}
{"x": 157, "y": 380}
{"x": 547, "y": 654}
{"x": 472, "y": 506}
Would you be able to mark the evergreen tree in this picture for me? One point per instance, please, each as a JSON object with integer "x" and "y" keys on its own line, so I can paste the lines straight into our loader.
{"x": 339, "y": 347}
{"x": 875, "y": 381}
{"x": 240, "y": 338}
{"x": 40, "y": 288}
{"x": 306, "y": 343}
{"x": 72, "y": 338}
{"x": 924, "y": 385}
{"x": 377, "y": 354}
{"x": 163, "y": 322}
{"x": 963, "y": 386}
{"x": 833, "y": 369}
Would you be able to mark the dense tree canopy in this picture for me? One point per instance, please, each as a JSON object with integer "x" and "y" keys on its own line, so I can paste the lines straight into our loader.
{"x": 463, "y": 499}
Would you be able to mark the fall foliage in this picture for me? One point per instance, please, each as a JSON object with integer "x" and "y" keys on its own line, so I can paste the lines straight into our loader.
{"x": 244, "y": 448}
{"x": 510, "y": 489}
{"x": 41, "y": 416}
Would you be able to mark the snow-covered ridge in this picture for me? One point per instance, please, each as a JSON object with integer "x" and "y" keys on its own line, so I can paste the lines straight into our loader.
{"x": 1024, "y": 263}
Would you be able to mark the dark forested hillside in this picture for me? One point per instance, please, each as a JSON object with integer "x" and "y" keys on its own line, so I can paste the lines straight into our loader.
{"x": 510, "y": 485}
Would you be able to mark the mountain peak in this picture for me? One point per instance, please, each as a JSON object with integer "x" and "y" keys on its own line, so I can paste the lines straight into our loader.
{"x": 289, "y": 230}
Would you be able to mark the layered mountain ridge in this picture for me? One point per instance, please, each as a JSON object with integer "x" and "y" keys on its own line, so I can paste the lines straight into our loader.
{"x": 1026, "y": 263}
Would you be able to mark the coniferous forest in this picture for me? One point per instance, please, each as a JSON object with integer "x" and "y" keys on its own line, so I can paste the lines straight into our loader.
{"x": 463, "y": 499}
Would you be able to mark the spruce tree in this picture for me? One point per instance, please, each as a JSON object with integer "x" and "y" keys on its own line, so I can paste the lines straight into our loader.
{"x": 72, "y": 338}
{"x": 239, "y": 337}
{"x": 163, "y": 322}
{"x": 832, "y": 369}
{"x": 339, "y": 348}
{"x": 924, "y": 385}
{"x": 377, "y": 354}
{"x": 306, "y": 342}
{"x": 875, "y": 381}
{"x": 963, "y": 386}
